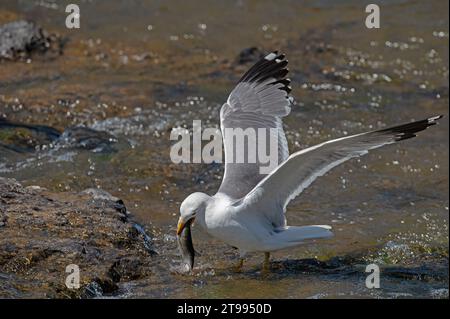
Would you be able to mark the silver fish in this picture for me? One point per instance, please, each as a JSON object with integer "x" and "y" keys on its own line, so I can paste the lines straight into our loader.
{"x": 186, "y": 246}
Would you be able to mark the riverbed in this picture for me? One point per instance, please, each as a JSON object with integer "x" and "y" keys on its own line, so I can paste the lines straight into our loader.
{"x": 136, "y": 69}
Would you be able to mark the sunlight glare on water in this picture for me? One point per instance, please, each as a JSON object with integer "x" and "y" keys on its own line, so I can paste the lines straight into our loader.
{"x": 137, "y": 71}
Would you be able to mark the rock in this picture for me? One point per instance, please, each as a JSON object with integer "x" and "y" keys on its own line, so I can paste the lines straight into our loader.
{"x": 2, "y": 221}
{"x": 92, "y": 290}
{"x": 89, "y": 139}
{"x": 19, "y": 39}
{"x": 19, "y": 137}
{"x": 138, "y": 234}
{"x": 22, "y": 138}
{"x": 252, "y": 54}
{"x": 44, "y": 232}
{"x": 3, "y": 218}
{"x": 128, "y": 268}
{"x": 137, "y": 239}
{"x": 104, "y": 199}
{"x": 107, "y": 284}
{"x": 100, "y": 194}
{"x": 423, "y": 272}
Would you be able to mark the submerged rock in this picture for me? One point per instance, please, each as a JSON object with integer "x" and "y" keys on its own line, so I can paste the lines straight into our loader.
{"x": 19, "y": 137}
{"x": 434, "y": 268}
{"x": 19, "y": 39}
{"x": 22, "y": 138}
{"x": 82, "y": 137}
{"x": 252, "y": 54}
{"x": 44, "y": 232}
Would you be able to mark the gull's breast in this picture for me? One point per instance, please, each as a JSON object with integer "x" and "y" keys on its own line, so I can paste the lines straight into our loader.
{"x": 235, "y": 228}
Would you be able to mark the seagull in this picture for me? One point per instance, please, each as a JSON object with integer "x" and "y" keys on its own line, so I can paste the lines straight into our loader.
{"x": 248, "y": 211}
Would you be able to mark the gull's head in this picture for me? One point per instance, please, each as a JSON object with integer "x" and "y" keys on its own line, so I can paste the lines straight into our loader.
{"x": 191, "y": 208}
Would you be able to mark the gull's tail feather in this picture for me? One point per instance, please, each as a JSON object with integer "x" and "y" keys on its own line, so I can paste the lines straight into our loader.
{"x": 295, "y": 235}
{"x": 300, "y": 233}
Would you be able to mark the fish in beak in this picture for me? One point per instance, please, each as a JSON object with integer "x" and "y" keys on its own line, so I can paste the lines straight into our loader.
{"x": 185, "y": 244}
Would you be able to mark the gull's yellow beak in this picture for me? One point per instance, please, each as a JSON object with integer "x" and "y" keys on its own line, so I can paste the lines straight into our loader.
{"x": 182, "y": 224}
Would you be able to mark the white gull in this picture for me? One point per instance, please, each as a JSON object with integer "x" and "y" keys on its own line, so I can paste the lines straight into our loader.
{"x": 248, "y": 211}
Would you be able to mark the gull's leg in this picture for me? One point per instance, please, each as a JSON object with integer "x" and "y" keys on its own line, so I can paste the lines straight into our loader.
{"x": 238, "y": 267}
{"x": 266, "y": 264}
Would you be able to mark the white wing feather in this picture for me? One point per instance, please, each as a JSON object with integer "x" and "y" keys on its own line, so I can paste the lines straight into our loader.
{"x": 260, "y": 100}
{"x": 301, "y": 169}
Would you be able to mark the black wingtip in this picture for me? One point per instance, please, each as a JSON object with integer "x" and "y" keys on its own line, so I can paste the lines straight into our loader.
{"x": 272, "y": 65}
{"x": 406, "y": 131}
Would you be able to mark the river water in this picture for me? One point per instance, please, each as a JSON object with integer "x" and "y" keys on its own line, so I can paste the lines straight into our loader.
{"x": 137, "y": 69}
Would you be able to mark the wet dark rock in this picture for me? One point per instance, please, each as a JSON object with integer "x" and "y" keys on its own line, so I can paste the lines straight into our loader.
{"x": 433, "y": 270}
{"x": 89, "y": 139}
{"x": 92, "y": 290}
{"x": 250, "y": 55}
{"x": 107, "y": 285}
{"x": 136, "y": 232}
{"x": 137, "y": 238}
{"x": 36, "y": 245}
{"x": 22, "y": 138}
{"x": 128, "y": 268}
{"x": 3, "y": 218}
{"x": 100, "y": 194}
{"x": 340, "y": 265}
{"x": 19, "y": 137}
{"x": 19, "y": 39}
{"x": 423, "y": 272}
{"x": 102, "y": 198}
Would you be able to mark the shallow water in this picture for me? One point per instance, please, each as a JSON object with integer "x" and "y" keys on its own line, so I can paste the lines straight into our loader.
{"x": 139, "y": 68}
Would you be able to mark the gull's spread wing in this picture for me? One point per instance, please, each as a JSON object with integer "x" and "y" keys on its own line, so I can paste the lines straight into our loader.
{"x": 276, "y": 190}
{"x": 259, "y": 101}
